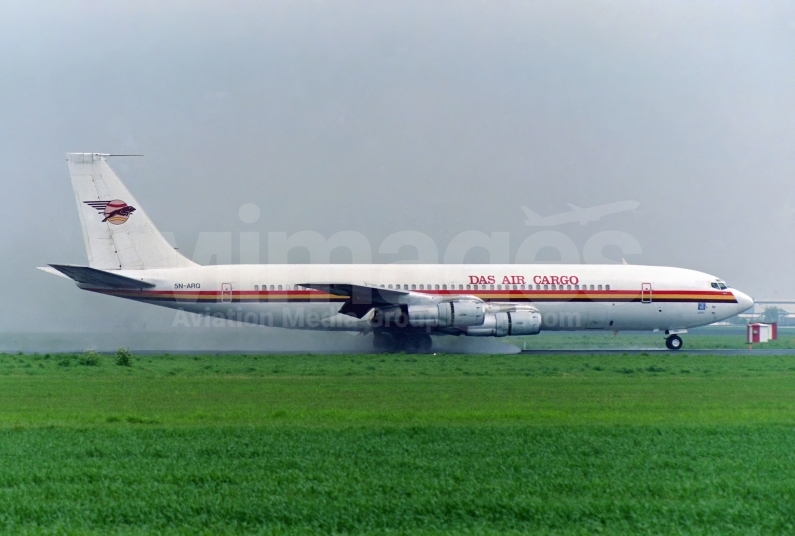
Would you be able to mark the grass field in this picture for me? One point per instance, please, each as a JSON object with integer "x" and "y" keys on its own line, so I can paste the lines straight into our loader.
{"x": 399, "y": 444}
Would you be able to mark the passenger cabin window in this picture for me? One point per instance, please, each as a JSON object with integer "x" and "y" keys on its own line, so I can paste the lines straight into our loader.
{"x": 422, "y": 287}
{"x": 256, "y": 287}
{"x": 272, "y": 287}
{"x": 280, "y": 287}
{"x": 413, "y": 287}
{"x": 607, "y": 287}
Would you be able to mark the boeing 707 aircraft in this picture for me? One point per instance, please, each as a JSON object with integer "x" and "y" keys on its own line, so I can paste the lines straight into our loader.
{"x": 402, "y": 305}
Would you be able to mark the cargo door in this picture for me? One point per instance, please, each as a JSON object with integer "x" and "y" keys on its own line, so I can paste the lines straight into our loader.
{"x": 226, "y": 292}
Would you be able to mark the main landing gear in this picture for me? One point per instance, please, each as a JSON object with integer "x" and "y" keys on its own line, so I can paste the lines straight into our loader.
{"x": 402, "y": 341}
{"x": 674, "y": 342}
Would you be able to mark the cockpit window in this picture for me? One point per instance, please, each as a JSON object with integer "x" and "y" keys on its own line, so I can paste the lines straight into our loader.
{"x": 720, "y": 285}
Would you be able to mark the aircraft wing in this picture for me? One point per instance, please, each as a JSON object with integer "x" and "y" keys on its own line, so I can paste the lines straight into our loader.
{"x": 363, "y": 297}
{"x": 371, "y": 294}
{"x": 99, "y": 278}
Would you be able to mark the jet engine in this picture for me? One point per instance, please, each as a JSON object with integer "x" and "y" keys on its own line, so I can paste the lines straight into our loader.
{"x": 502, "y": 324}
{"x": 457, "y": 314}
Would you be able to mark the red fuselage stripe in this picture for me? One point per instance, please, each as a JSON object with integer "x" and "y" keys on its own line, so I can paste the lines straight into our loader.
{"x": 488, "y": 295}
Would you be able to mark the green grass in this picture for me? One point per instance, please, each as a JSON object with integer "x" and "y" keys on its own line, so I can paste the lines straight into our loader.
{"x": 404, "y": 480}
{"x": 399, "y": 444}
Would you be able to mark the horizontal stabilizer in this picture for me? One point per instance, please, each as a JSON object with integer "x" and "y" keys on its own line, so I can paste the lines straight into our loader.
{"x": 52, "y": 271}
{"x": 100, "y": 278}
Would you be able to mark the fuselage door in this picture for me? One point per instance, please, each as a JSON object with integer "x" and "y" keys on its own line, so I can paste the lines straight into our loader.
{"x": 645, "y": 292}
{"x": 226, "y": 292}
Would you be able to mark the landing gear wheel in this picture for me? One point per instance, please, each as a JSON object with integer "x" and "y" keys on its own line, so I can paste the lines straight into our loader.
{"x": 674, "y": 342}
{"x": 397, "y": 341}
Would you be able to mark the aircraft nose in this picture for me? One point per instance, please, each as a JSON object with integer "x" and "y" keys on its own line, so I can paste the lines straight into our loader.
{"x": 744, "y": 301}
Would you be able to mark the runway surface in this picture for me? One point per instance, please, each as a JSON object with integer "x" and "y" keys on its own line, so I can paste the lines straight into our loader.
{"x": 745, "y": 352}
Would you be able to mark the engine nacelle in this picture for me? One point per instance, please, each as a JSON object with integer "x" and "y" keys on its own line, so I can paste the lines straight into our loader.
{"x": 458, "y": 314}
{"x": 502, "y": 324}
{"x": 524, "y": 323}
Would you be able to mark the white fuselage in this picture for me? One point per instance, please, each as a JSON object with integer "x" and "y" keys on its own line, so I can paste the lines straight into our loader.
{"x": 569, "y": 297}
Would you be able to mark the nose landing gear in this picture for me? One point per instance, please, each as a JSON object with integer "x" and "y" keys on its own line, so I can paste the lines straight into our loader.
{"x": 674, "y": 342}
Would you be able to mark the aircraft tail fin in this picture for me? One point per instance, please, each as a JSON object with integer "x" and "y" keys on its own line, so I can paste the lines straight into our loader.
{"x": 117, "y": 232}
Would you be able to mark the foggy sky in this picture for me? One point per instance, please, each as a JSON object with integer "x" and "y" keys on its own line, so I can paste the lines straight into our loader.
{"x": 380, "y": 117}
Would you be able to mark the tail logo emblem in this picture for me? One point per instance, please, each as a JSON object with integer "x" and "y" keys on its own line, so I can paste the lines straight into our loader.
{"x": 115, "y": 212}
